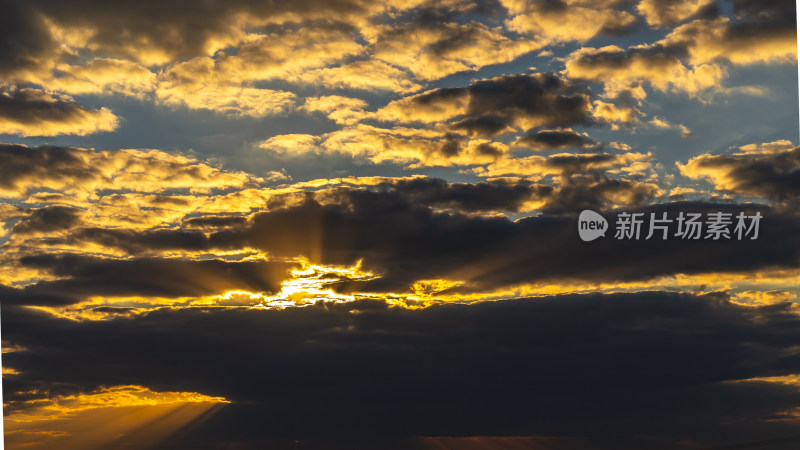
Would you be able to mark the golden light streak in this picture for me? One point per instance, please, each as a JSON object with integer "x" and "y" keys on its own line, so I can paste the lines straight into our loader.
{"x": 113, "y": 416}
{"x": 792, "y": 381}
{"x": 312, "y": 283}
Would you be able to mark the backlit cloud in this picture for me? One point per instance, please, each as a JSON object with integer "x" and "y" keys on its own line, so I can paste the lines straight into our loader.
{"x": 31, "y": 112}
{"x": 351, "y": 225}
{"x": 770, "y": 174}
{"x": 83, "y": 171}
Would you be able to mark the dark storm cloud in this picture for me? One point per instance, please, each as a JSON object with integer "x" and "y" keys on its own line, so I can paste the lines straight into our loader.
{"x": 138, "y": 242}
{"x": 214, "y": 221}
{"x": 82, "y": 277}
{"x": 773, "y": 176}
{"x": 542, "y": 98}
{"x": 576, "y": 191}
{"x": 624, "y": 371}
{"x": 469, "y": 197}
{"x": 482, "y": 125}
{"x": 404, "y": 242}
{"x": 48, "y": 219}
{"x": 556, "y": 139}
{"x": 598, "y": 192}
{"x": 25, "y": 41}
{"x": 765, "y": 10}
{"x": 498, "y": 104}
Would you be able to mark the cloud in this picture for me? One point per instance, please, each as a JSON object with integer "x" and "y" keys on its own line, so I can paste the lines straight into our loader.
{"x": 81, "y": 278}
{"x": 225, "y": 83}
{"x": 290, "y": 143}
{"x": 493, "y": 196}
{"x": 412, "y": 146}
{"x": 183, "y": 30}
{"x": 287, "y": 53}
{"x": 81, "y": 172}
{"x": 770, "y": 174}
{"x": 431, "y": 47}
{"x": 762, "y": 39}
{"x": 496, "y": 105}
{"x": 102, "y": 76}
{"x": 538, "y": 167}
{"x": 655, "y": 64}
{"x": 57, "y": 419}
{"x": 342, "y": 110}
{"x": 27, "y": 46}
{"x": 48, "y": 219}
{"x": 194, "y": 84}
{"x": 556, "y": 139}
{"x": 689, "y": 59}
{"x": 616, "y": 114}
{"x": 558, "y": 21}
{"x": 668, "y": 13}
{"x": 386, "y": 226}
{"x": 368, "y": 75}
{"x": 31, "y": 112}
{"x": 523, "y": 367}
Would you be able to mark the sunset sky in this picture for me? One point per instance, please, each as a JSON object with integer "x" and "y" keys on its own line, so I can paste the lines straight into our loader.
{"x": 348, "y": 224}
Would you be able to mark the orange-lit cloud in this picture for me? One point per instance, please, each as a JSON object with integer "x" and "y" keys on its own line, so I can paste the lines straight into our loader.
{"x": 31, "y": 112}
{"x": 412, "y": 146}
{"x": 102, "y": 76}
{"x": 342, "y": 110}
{"x": 195, "y": 85}
{"x": 432, "y": 52}
{"x": 130, "y": 415}
{"x": 708, "y": 41}
{"x": 538, "y": 167}
{"x": 621, "y": 70}
{"x": 81, "y": 172}
{"x": 763, "y": 170}
{"x": 665, "y": 13}
{"x": 571, "y": 20}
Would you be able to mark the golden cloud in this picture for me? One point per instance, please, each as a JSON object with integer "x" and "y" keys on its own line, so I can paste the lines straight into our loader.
{"x": 82, "y": 172}
{"x": 765, "y": 171}
{"x": 417, "y": 147}
{"x": 134, "y": 415}
{"x": 711, "y": 40}
{"x": 537, "y": 167}
{"x": 660, "y": 13}
{"x": 622, "y": 70}
{"x": 342, "y": 110}
{"x": 196, "y": 85}
{"x": 572, "y": 20}
{"x": 32, "y": 112}
{"x": 369, "y": 75}
{"x": 102, "y": 76}
{"x": 433, "y": 52}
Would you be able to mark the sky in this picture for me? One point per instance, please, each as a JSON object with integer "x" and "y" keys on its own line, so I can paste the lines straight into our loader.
{"x": 348, "y": 224}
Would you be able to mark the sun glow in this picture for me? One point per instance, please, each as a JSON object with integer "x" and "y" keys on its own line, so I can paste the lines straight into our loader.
{"x": 313, "y": 282}
{"x": 131, "y": 416}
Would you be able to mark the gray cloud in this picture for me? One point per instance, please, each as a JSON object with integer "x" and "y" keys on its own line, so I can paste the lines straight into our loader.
{"x": 622, "y": 371}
